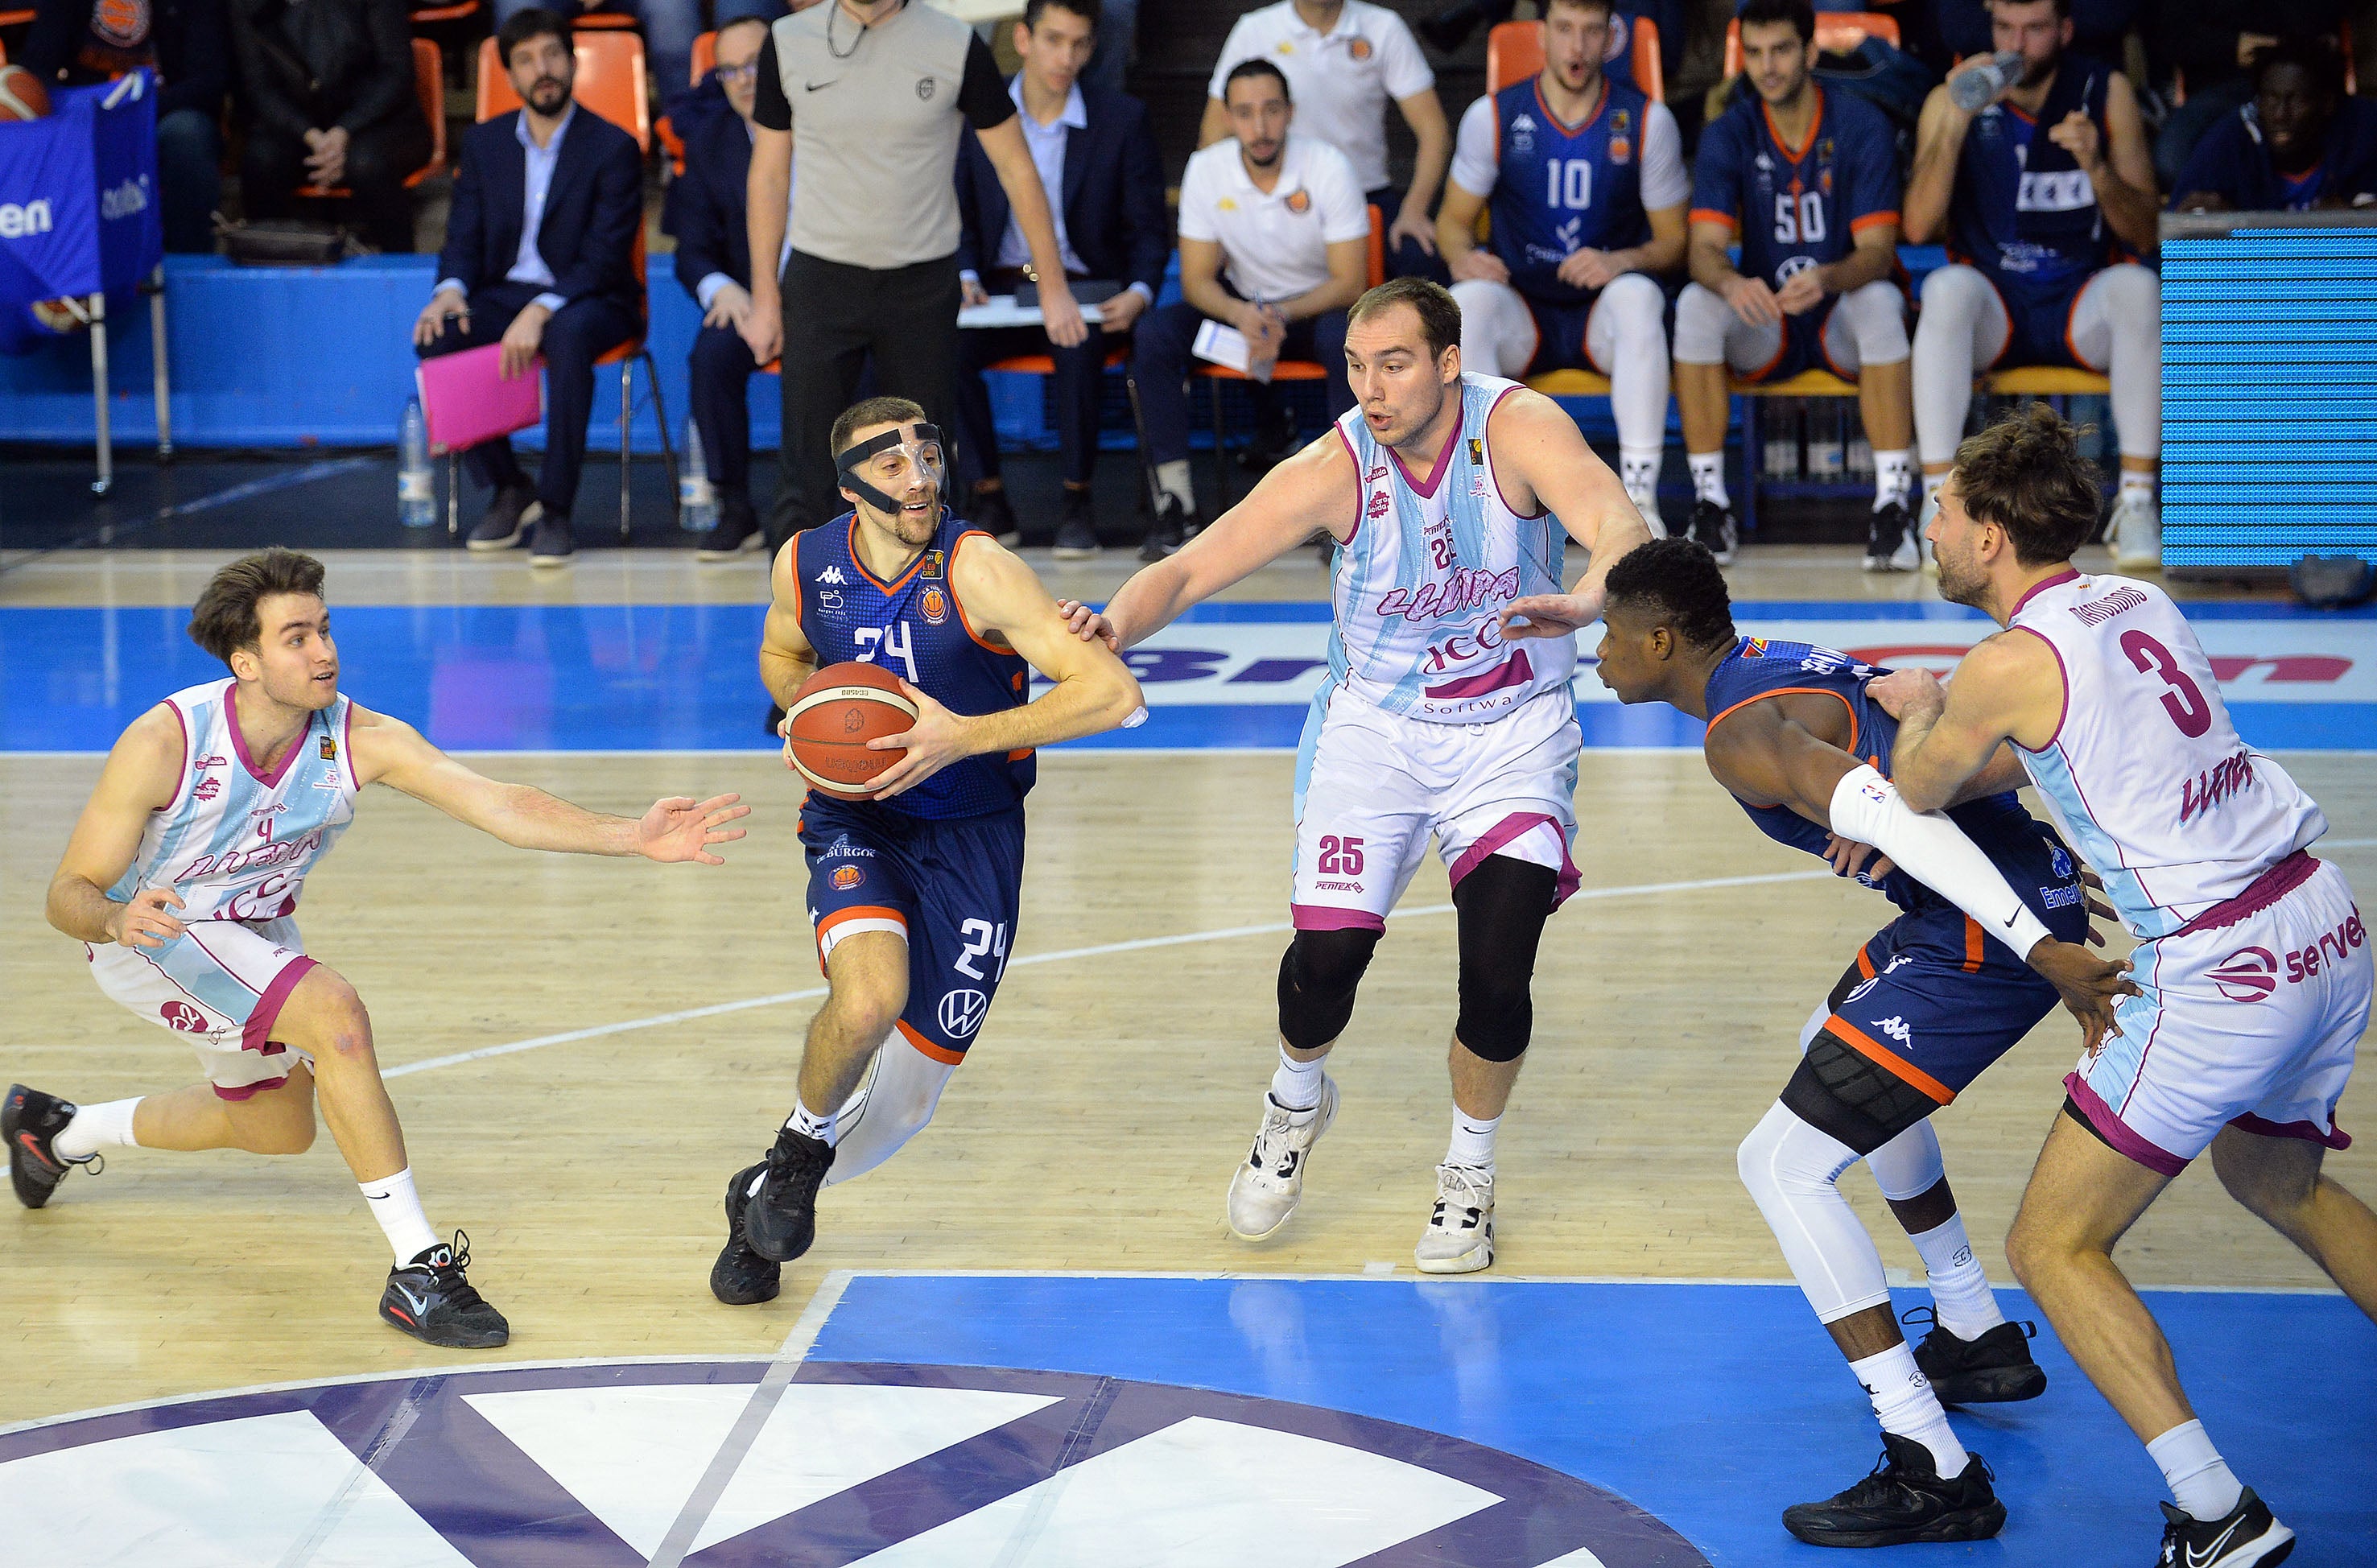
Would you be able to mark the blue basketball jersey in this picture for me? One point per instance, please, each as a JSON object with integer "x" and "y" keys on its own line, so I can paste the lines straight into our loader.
{"x": 915, "y": 627}
{"x": 1796, "y": 208}
{"x": 2024, "y": 211}
{"x": 2233, "y": 161}
{"x": 2032, "y": 859}
{"x": 1559, "y": 189}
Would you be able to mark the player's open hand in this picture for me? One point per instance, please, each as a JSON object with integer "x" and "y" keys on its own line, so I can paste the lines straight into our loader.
{"x": 937, "y": 739}
{"x": 2091, "y": 986}
{"x": 1548, "y": 615}
{"x": 1902, "y": 692}
{"x": 1849, "y": 859}
{"x": 1088, "y": 624}
{"x": 1754, "y": 302}
{"x": 680, "y": 829}
{"x": 143, "y": 922}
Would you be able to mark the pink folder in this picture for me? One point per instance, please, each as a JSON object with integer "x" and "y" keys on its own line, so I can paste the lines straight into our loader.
{"x": 468, "y": 400}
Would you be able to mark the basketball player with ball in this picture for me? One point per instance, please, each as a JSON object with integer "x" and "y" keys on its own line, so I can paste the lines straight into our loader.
{"x": 916, "y": 739}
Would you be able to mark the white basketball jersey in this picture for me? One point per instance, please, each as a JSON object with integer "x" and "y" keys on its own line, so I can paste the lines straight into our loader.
{"x": 2146, "y": 775}
{"x": 1431, "y": 559}
{"x": 236, "y": 842}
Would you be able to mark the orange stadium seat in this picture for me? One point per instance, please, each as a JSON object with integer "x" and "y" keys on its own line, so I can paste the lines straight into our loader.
{"x": 1514, "y": 51}
{"x": 609, "y": 81}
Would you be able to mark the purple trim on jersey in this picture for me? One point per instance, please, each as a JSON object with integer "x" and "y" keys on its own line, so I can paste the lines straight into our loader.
{"x": 347, "y": 746}
{"x": 1488, "y": 446}
{"x": 1436, "y": 475}
{"x": 2110, "y": 1128}
{"x": 2068, "y": 574}
{"x": 248, "y": 1091}
{"x": 2063, "y": 674}
{"x": 1361, "y": 485}
{"x": 1329, "y": 917}
{"x": 1510, "y": 827}
{"x": 239, "y": 742}
{"x": 182, "y": 769}
{"x": 2267, "y": 889}
{"x": 257, "y": 1035}
{"x": 2332, "y": 1137}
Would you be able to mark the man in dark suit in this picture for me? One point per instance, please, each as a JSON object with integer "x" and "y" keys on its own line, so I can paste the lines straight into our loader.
{"x": 1097, "y": 162}
{"x": 714, "y": 261}
{"x": 540, "y": 255}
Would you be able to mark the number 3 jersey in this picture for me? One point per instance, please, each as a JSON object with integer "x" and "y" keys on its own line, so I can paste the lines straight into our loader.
{"x": 1795, "y": 207}
{"x": 2146, "y": 775}
{"x": 235, "y": 842}
{"x": 915, "y": 627}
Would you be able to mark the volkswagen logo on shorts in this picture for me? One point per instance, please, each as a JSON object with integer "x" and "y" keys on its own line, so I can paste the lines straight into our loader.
{"x": 2250, "y": 973}
{"x": 962, "y": 1012}
{"x": 182, "y": 1016}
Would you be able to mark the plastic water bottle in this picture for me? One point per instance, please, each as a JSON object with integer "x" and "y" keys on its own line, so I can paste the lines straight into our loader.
{"x": 697, "y": 497}
{"x": 1977, "y": 86}
{"x": 1781, "y": 458}
{"x": 416, "y": 485}
{"x": 1827, "y": 459}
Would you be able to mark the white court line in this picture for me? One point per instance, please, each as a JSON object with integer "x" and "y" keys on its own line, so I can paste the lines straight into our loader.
{"x": 1141, "y": 944}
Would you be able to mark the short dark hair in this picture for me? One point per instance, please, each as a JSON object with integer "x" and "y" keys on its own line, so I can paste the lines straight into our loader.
{"x": 224, "y": 617}
{"x": 873, "y": 411}
{"x": 2062, "y": 8}
{"x": 2025, "y": 474}
{"x": 2318, "y": 58}
{"x": 1088, "y": 10}
{"x": 1440, "y": 314}
{"x": 759, "y": 22}
{"x": 534, "y": 22}
{"x": 1677, "y": 579}
{"x": 1607, "y": 7}
{"x": 1256, "y": 67}
{"x": 1800, "y": 14}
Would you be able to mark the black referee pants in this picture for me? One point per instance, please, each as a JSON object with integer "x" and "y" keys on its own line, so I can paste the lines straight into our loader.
{"x": 835, "y": 318}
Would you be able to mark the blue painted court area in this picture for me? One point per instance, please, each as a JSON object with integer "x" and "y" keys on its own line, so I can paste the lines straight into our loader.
{"x": 680, "y": 678}
{"x": 1711, "y": 1406}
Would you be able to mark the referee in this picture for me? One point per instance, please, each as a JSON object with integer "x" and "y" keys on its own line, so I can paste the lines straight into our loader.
{"x": 868, "y": 95}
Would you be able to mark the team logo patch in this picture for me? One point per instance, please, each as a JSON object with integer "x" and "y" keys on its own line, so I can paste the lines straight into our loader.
{"x": 1620, "y": 149}
{"x": 181, "y": 1015}
{"x": 329, "y": 750}
{"x": 2060, "y": 861}
{"x": 932, "y": 568}
{"x": 1300, "y": 201}
{"x": 962, "y": 1012}
{"x": 1858, "y": 992}
{"x": 207, "y": 789}
{"x": 1754, "y": 649}
{"x": 2250, "y": 973}
{"x": 846, "y": 877}
{"x": 830, "y": 599}
{"x": 1476, "y": 452}
{"x": 1477, "y": 485}
{"x": 934, "y": 605}
{"x": 121, "y": 22}
{"x": 925, "y": 89}
{"x": 1378, "y": 506}
{"x": 1359, "y": 49}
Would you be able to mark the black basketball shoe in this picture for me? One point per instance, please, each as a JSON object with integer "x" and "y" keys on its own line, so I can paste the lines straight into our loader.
{"x": 2246, "y": 1534}
{"x": 1889, "y": 540}
{"x": 430, "y": 1300}
{"x": 31, "y": 1119}
{"x": 741, "y": 1277}
{"x": 1902, "y": 1501}
{"x": 1714, "y": 527}
{"x": 781, "y": 1222}
{"x": 1993, "y": 1370}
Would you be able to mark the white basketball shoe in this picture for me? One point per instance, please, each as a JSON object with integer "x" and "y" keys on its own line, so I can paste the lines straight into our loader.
{"x": 1459, "y": 1234}
{"x": 1646, "y": 501}
{"x": 2136, "y": 531}
{"x": 1265, "y": 1190}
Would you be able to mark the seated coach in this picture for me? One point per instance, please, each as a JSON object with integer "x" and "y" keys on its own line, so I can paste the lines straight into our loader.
{"x": 539, "y": 256}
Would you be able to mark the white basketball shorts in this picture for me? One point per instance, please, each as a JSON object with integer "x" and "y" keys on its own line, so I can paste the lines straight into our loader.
{"x": 221, "y": 984}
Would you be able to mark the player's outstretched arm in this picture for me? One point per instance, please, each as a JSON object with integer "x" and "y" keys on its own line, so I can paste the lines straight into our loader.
{"x": 389, "y": 751}
{"x": 142, "y": 770}
{"x": 2009, "y": 688}
{"x": 1000, "y": 596}
{"x": 786, "y": 660}
{"x": 1316, "y": 488}
{"x": 1538, "y": 448}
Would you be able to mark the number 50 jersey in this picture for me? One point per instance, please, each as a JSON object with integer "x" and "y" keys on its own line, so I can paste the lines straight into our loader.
{"x": 915, "y": 627}
{"x": 1795, "y": 207}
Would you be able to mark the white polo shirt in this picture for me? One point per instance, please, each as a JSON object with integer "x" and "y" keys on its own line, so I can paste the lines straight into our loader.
{"x": 1275, "y": 242}
{"x": 1340, "y": 81}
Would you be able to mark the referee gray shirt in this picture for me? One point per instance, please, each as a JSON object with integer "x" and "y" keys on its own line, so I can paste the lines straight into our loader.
{"x": 875, "y": 114}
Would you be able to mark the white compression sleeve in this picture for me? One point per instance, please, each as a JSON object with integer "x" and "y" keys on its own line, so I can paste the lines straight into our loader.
{"x": 1935, "y": 852}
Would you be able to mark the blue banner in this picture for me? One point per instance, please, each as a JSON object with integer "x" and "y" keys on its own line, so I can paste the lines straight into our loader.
{"x": 78, "y": 200}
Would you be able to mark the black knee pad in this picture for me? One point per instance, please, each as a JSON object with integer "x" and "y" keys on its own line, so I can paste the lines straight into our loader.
{"x": 1496, "y": 1022}
{"x": 1318, "y": 977}
{"x": 1502, "y": 905}
{"x": 1840, "y": 1090}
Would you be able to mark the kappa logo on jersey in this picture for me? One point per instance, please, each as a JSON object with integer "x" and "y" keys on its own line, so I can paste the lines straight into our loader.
{"x": 1898, "y": 1029}
{"x": 181, "y": 1015}
{"x": 2250, "y": 973}
{"x": 833, "y": 575}
{"x": 846, "y": 877}
{"x": 1522, "y": 134}
{"x": 962, "y": 1012}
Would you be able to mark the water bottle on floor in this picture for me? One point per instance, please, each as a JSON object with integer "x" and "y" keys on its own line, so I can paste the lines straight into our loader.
{"x": 416, "y": 485}
{"x": 1781, "y": 458}
{"x": 697, "y": 497}
{"x": 1826, "y": 460}
{"x": 1977, "y": 86}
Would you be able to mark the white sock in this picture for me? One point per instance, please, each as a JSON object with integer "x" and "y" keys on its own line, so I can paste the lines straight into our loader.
{"x": 1960, "y": 1287}
{"x": 1295, "y": 1085}
{"x": 1908, "y": 1408}
{"x": 809, "y": 1124}
{"x": 396, "y": 1206}
{"x": 1708, "y": 477}
{"x": 1638, "y": 467}
{"x": 1472, "y": 1141}
{"x": 2140, "y": 479}
{"x": 94, "y": 1128}
{"x": 1893, "y": 478}
{"x": 2199, "y": 1481}
{"x": 1932, "y": 482}
{"x": 1172, "y": 478}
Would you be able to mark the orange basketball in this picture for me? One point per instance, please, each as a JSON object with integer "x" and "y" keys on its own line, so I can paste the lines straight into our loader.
{"x": 22, "y": 96}
{"x": 835, "y": 713}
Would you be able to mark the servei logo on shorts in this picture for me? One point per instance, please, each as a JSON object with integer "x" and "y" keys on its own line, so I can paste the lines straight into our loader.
{"x": 2250, "y": 974}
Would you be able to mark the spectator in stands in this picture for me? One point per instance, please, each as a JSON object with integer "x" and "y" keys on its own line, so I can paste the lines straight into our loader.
{"x": 1588, "y": 188}
{"x": 2038, "y": 195}
{"x": 2099, "y": 27}
{"x": 539, "y": 256}
{"x": 2207, "y": 47}
{"x": 1274, "y": 240}
{"x": 328, "y": 95}
{"x": 1807, "y": 180}
{"x": 868, "y": 95}
{"x": 669, "y": 27}
{"x": 188, "y": 46}
{"x": 1098, "y": 166}
{"x": 705, "y": 214}
{"x": 2302, "y": 142}
{"x": 1344, "y": 59}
